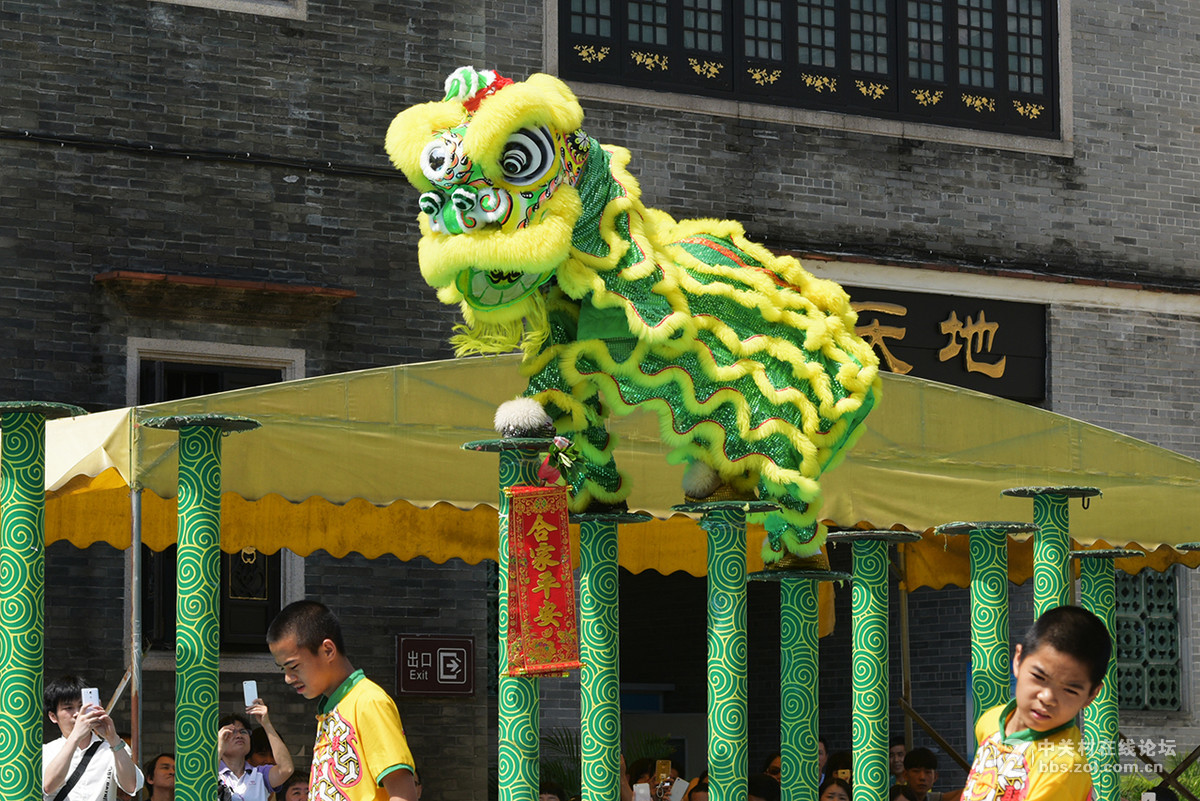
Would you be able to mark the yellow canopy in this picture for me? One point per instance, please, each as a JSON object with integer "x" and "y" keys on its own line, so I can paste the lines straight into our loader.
{"x": 370, "y": 461}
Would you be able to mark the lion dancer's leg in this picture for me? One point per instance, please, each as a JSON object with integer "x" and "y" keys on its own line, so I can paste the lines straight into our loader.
{"x": 577, "y": 413}
{"x": 794, "y": 534}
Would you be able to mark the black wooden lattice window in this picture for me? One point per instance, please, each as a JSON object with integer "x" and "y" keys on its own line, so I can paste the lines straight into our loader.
{"x": 763, "y": 23}
{"x": 591, "y": 18}
{"x": 869, "y": 36}
{"x": 1148, "y": 656}
{"x": 926, "y": 37}
{"x": 984, "y": 64}
{"x": 703, "y": 26}
{"x": 816, "y": 34}
{"x": 1026, "y": 47}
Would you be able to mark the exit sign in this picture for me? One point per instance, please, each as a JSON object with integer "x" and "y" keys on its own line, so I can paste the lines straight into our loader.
{"x": 430, "y": 664}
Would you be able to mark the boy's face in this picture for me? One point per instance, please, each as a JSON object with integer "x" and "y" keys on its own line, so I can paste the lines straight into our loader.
{"x": 310, "y": 674}
{"x": 65, "y": 716}
{"x": 297, "y": 791}
{"x": 1051, "y": 689}
{"x": 920, "y": 779}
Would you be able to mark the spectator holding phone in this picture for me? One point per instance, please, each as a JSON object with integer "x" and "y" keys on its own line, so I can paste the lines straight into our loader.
{"x": 89, "y": 762}
{"x": 244, "y": 781}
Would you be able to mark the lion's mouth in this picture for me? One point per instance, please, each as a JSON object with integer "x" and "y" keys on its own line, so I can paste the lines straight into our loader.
{"x": 495, "y": 289}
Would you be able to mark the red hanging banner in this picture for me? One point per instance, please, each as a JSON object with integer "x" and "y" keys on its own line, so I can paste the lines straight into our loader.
{"x": 542, "y": 633}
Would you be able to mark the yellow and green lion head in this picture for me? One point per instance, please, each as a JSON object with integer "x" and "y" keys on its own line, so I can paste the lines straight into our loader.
{"x": 496, "y": 163}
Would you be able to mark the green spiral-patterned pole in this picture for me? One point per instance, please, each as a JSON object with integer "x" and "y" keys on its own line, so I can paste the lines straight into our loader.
{"x": 869, "y": 666}
{"x": 1052, "y": 544}
{"x": 22, "y": 593}
{"x": 599, "y": 703}
{"x": 798, "y": 677}
{"x": 197, "y": 626}
{"x": 990, "y": 662}
{"x": 519, "y": 704}
{"x": 869, "y": 657}
{"x": 727, "y": 733}
{"x": 989, "y": 619}
{"x": 1098, "y": 594}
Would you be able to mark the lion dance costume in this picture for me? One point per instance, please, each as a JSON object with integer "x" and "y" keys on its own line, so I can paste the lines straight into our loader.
{"x": 539, "y": 234}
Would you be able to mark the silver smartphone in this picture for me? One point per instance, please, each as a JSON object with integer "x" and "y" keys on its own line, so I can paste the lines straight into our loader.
{"x": 250, "y": 692}
{"x": 90, "y": 696}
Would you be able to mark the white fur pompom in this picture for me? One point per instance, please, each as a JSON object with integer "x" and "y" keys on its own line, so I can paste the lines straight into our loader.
{"x": 523, "y": 417}
{"x": 700, "y": 480}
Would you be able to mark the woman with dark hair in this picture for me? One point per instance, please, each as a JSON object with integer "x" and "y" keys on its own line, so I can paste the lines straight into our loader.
{"x": 834, "y": 789}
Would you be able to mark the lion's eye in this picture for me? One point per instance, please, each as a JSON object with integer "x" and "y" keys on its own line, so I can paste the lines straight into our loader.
{"x": 528, "y": 156}
{"x": 433, "y": 160}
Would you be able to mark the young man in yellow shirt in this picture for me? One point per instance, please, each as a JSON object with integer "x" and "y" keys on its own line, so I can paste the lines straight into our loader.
{"x": 360, "y": 753}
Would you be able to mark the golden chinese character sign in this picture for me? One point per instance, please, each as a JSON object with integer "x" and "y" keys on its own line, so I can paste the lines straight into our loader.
{"x": 992, "y": 346}
{"x": 542, "y": 633}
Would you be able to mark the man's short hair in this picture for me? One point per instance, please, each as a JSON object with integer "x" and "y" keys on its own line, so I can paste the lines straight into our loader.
{"x": 149, "y": 768}
{"x": 763, "y": 786}
{"x": 897, "y": 740}
{"x": 299, "y": 776}
{"x": 310, "y": 622}
{"x": 235, "y": 717}
{"x": 63, "y": 690}
{"x": 920, "y": 758}
{"x": 1076, "y": 632}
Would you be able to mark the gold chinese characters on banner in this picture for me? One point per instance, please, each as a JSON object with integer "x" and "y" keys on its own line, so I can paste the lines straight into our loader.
{"x": 542, "y": 633}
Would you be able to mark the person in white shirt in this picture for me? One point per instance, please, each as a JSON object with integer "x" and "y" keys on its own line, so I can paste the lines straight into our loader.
{"x": 88, "y": 733}
{"x": 244, "y": 781}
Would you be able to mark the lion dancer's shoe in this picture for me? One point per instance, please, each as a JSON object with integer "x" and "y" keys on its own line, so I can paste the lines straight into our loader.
{"x": 791, "y": 553}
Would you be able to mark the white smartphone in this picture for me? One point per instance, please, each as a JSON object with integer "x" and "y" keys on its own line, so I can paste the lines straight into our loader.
{"x": 250, "y": 692}
{"x": 90, "y": 696}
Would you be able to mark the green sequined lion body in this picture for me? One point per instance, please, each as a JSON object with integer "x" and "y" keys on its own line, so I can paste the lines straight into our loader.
{"x": 539, "y": 234}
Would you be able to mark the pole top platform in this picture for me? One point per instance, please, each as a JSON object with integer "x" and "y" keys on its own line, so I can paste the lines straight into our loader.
{"x": 751, "y": 506}
{"x": 47, "y": 409}
{"x": 1007, "y": 526}
{"x": 614, "y": 516}
{"x": 225, "y": 422}
{"x": 1068, "y": 492}
{"x": 531, "y": 444}
{"x": 1106, "y": 553}
{"x": 788, "y": 576}
{"x": 877, "y": 535}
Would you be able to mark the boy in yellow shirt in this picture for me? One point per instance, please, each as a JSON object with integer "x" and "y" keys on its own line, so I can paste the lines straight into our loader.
{"x": 1029, "y": 748}
{"x": 360, "y": 753}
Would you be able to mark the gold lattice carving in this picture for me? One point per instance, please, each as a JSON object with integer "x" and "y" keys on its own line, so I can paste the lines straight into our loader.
{"x": 650, "y": 61}
{"x": 1028, "y": 110}
{"x": 763, "y": 77}
{"x": 979, "y": 102}
{"x": 591, "y": 54}
{"x": 872, "y": 90}
{"x": 819, "y": 83}
{"x": 927, "y": 97}
{"x": 707, "y": 69}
